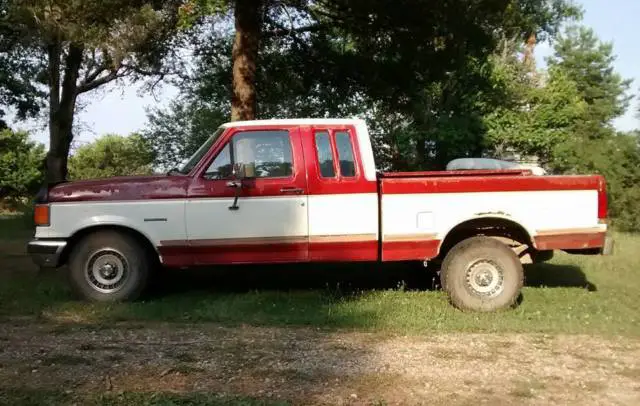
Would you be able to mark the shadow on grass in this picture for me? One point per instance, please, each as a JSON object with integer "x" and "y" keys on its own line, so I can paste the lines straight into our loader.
{"x": 399, "y": 297}
{"x": 337, "y": 279}
{"x": 550, "y": 275}
{"x": 340, "y": 278}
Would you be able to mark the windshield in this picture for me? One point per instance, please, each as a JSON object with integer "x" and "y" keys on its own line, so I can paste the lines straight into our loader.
{"x": 186, "y": 167}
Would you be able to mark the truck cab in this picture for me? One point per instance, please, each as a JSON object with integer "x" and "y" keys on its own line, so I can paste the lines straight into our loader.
{"x": 307, "y": 190}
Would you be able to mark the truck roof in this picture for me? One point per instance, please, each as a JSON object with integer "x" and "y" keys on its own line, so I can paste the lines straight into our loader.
{"x": 295, "y": 121}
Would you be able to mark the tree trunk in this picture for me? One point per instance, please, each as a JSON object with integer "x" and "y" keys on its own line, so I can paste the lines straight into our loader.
{"x": 529, "y": 58}
{"x": 248, "y": 23}
{"x": 62, "y": 103}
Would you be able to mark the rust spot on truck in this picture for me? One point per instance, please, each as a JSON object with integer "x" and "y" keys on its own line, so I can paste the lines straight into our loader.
{"x": 121, "y": 189}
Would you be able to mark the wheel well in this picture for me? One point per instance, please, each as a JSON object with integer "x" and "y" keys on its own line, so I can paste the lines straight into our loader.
{"x": 507, "y": 231}
{"x": 79, "y": 235}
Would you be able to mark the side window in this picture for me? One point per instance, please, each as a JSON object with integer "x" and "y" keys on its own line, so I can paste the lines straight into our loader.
{"x": 221, "y": 167}
{"x": 325, "y": 154}
{"x": 345, "y": 154}
{"x": 264, "y": 154}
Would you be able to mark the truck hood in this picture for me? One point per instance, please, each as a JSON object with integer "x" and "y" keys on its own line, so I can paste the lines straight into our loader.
{"x": 121, "y": 189}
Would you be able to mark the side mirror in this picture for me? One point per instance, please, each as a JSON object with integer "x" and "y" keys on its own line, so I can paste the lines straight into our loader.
{"x": 241, "y": 172}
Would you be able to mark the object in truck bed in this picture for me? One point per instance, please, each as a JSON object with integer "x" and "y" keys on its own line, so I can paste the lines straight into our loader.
{"x": 462, "y": 164}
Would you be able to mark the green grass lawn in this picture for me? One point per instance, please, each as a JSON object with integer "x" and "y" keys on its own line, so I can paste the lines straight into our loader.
{"x": 40, "y": 398}
{"x": 570, "y": 294}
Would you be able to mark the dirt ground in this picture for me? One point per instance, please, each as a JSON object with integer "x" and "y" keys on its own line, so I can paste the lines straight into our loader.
{"x": 312, "y": 366}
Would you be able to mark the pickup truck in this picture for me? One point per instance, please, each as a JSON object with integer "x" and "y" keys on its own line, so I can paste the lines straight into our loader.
{"x": 307, "y": 190}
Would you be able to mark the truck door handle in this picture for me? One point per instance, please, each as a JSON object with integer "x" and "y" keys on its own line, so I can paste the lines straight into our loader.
{"x": 293, "y": 190}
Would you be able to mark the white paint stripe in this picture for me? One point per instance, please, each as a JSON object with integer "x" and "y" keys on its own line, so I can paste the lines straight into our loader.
{"x": 534, "y": 210}
{"x": 343, "y": 214}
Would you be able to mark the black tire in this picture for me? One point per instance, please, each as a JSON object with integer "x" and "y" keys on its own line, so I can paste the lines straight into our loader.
{"x": 482, "y": 274}
{"x": 108, "y": 266}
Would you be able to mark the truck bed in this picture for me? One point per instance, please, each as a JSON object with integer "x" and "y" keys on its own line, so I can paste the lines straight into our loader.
{"x": 420, "y": 209}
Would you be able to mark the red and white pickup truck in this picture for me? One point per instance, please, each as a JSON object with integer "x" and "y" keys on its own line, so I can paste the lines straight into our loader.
{"x": 279, "y": 191}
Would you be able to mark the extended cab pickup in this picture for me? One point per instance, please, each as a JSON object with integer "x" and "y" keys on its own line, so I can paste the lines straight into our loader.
{"x": 279, "y": 191}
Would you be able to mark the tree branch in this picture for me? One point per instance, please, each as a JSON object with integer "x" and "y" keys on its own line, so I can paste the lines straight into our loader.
{"x": 90, "y": 65}
{"x": 90, "y": 77}
{"x": 54, "y": 51}
{"x": 97, "y": 82}
{"x": 283, "y": 31}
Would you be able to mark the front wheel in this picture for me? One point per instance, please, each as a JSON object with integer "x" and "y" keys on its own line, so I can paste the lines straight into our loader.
{"x": 482, "y": 274}
{"x": 108, "y": 266}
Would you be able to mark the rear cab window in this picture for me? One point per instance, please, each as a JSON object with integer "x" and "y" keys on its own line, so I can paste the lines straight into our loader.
{"x": 344, "y": 145}
{"x": 335, "y": 154}
{"x": 325, "y": 154}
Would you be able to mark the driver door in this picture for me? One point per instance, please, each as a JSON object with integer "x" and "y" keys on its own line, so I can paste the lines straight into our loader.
{"x": 270, "y": 221}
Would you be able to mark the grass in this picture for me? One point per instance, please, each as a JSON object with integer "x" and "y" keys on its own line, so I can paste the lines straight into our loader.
{"x": 571, "y": 294}
{"x": 25, "y": 397}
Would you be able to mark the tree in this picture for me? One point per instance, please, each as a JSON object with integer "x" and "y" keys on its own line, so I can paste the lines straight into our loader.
{"x": 77, "y": 46}
{"x": 20, "y": 165}
{"x": 112, "y": 155}
{"x": 422, "y": 64}
{"x": 589, "y": 63}
{"x": 17, "y": 87}
{"x": 594, "y": 146}
{"x": 537, "y": 110}
{"x": 382, "y": 48}
{"x": 175, "y": 133}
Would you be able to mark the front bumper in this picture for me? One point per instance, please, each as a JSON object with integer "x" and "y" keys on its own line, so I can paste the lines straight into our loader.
{"x": 46, "y": 253}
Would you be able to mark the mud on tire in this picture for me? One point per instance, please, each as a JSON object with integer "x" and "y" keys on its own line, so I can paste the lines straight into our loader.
{"x": 482, "y": 274}
{"x": 108, "y": 266}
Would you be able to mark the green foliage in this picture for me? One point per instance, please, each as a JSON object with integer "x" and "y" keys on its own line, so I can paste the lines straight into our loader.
{"x": 416, "y": 69}
{"x": 176, "y": 133}
{"x": 74, "y": 47}
{"x": 589, "y": 63}
{"x": 112, "y": 155}
{"x": 18, "y": 68}
{"x": 536, "y": 114}
{"x": 20, "y": 164}
{"x": 593, "y": 146}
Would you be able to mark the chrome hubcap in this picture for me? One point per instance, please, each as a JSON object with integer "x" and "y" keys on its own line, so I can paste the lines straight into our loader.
{"x": 485, "y": 278}
{"x": 106, "y": 271}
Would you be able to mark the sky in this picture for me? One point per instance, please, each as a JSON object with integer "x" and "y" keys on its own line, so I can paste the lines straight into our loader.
{"x": 123, "y": 110}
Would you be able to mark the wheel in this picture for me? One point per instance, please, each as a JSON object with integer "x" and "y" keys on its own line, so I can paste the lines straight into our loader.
{"x": 482, "y": 274}
{"x": 108, "y": 266}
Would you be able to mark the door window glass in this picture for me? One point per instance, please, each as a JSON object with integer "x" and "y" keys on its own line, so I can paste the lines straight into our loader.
{"x": 264, "y": 154}
{"x": 221, "y": 167}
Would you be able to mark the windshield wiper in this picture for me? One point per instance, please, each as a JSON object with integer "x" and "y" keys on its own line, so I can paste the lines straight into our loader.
{"x": 174, "y": 171}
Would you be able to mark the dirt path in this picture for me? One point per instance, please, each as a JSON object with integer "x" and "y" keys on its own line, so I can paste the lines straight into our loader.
{"x": 310, "y": 366}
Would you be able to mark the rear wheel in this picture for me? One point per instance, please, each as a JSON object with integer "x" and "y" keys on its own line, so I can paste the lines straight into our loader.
{"x": 108, "y": 266}
{"x": 482, "y": 274}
